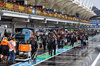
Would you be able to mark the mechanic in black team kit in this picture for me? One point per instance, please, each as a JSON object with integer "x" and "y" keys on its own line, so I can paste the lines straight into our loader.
{"x": 51, "y": 45}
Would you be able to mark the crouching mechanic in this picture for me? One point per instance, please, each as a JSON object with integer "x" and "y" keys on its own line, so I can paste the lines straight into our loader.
{"x": 12, "y": 50}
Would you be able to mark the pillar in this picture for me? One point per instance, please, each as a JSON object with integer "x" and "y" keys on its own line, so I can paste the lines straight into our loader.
{"x": 46, "y": 25}
{"x": 13, "y": 27}
{"x": 26, "y": 25}
{"x": 64, "y": 26}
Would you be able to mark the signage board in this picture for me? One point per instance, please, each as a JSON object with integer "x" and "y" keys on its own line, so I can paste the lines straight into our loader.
{"x": 94, "y": 27}
{"x": 95, "y": 22}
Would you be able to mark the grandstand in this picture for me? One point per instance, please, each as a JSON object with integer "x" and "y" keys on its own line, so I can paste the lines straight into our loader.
{"x": 56, "y": 11}
{"x": 71, "y": 8}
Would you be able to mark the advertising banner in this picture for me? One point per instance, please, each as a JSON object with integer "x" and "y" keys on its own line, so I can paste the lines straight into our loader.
{"x": 55, "y": 15}
{"x": 26, "y": 10}
{"x": 50, "y": 14}
{"x": 63, "y": 17}
{"x": 38, "y": 12}
{"x": 59, "y": 15}
{"x": 45, "y": 13}
{"x": 66, "y": 17}
{"x": 8, "y": 6}
{"x": 15, "y": 7}
{"x": 1, "y": 4}
{"x": 21, "y": 8}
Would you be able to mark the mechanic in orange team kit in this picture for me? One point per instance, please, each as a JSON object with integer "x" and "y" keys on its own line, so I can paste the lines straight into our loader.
{"x": 12, "y": 50}
{"x": 5, "y": 48}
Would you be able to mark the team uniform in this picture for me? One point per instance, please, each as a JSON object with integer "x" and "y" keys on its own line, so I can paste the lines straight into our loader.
{"x": 12, "y": 51}
{"x": 44, "y": 42}
{"x": 72, "y": 41}
{"x": 0, "y": 49}
{"x": 34, "y": 46}
{"x": 51, "y": 46}
{"x": 5, "y": 48}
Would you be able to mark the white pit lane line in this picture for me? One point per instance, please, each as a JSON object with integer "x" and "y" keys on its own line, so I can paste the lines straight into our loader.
{"x": 96, "y": 60}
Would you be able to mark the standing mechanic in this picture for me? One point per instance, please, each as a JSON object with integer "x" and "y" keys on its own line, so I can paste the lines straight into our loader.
{"x": 44, "y": 41}
{"x": 68, "y": 39}
{"x": 51, "y": 45}
{"x": 34, "y": 46}
{"x": 58, "y": 41}
{"x": 5, "y": 48}
{"x": 54, "y": 44}
{"x": 72, "y": 40}
{"x": 0, "y": 52}
{"x": 50, "y": 48}
{"x": 12, "y": 50}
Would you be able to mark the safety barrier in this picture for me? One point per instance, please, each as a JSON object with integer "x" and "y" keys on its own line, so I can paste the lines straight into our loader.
{"x": 19, "y": 8}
